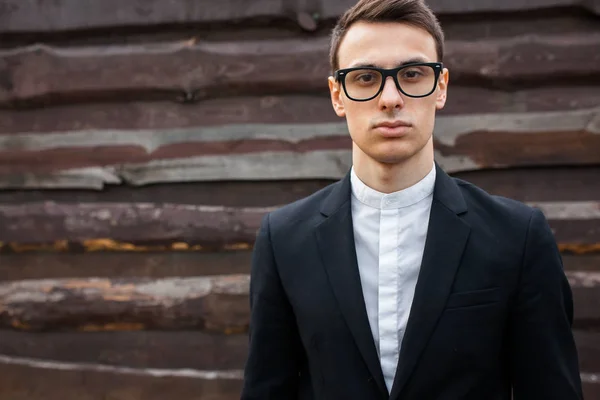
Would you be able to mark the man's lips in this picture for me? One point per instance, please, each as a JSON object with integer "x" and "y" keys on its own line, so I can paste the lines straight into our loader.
{"x": 392, "y": 124}
{"x": 395, "y": 128}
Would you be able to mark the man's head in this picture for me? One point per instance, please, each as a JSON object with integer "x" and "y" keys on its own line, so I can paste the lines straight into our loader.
{"x": 387, "y": 123}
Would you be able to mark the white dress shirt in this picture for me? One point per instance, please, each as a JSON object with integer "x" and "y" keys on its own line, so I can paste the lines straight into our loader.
{"x": 389, "y": 234}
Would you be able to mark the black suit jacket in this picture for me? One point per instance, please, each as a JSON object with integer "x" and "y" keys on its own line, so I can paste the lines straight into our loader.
{"x": 492, "y": 310}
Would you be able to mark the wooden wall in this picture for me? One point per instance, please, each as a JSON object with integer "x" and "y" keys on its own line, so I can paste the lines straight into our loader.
{"x": 141, "y": 142}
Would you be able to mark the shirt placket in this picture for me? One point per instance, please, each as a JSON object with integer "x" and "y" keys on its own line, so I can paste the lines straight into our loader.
{"x": 388, "y": 291}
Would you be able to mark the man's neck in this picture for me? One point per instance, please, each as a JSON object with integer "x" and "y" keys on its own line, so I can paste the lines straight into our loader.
{"x": 389, "y": 178}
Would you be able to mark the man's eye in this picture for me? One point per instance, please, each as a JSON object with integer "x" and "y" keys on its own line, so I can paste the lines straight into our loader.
{"x": 366, "y": 78}
{"x": 411, "y": 74}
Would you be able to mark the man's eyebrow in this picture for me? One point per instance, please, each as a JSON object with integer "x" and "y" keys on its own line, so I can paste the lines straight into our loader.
{"x": 363, "y": 64}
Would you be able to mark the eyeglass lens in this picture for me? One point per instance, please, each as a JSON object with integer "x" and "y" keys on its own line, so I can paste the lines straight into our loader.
{"x": 365, "y": 83}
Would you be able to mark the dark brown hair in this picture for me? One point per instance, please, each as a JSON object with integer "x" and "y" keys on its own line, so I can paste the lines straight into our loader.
{"x": 413, "y": 12}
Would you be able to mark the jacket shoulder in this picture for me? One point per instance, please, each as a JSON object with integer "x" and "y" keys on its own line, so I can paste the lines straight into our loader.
{"x": 301, "y": 211}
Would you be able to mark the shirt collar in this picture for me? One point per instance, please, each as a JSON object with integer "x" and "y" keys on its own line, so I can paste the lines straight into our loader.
{"x": 399, "y": 199}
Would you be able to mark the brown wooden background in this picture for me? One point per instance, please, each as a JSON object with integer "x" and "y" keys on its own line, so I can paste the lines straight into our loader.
{"x": 142, "y": 141}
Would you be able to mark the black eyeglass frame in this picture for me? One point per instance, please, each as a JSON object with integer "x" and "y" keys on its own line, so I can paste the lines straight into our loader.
{"x": 340, "y": 76}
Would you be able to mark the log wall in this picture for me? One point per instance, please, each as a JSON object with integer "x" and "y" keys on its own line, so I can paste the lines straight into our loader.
{"x": 141, "y": 143}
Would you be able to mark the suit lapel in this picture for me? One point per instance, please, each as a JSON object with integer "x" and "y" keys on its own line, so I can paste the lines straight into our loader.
{"x": 446, "y": 238}
{"x": 335, "y": 237}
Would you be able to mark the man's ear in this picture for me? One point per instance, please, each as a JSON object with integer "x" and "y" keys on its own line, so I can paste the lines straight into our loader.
{"x": 335, "y": 90}
{"x": 442, "y": 92}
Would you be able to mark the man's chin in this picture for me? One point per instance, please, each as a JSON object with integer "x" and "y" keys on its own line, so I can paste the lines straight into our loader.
{"x": 393, "y": 158}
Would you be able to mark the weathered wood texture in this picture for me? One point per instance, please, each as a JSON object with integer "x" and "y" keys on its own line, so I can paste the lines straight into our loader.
{"x": 203, "y": 225}
{"x": 24, "y": 15}
{"x": 276, "y": 109}
{"x": 39, "y": 380}
{"x": 215, "y": 304}
{"x": 139, "y": 349}
{"x": 90, "y": 159}
{"x": 588, "y": 346}
{"x": 175, "y": 350}
{"x": 187, "y": 226}
{"x": 586, "y": 297}
{"x": 192, "y": 71}
{"x": 151, "y": 264}
{"x": 105, "y": 264}
{"x": 523, "y": 184}
{"x": 140, "y": 141}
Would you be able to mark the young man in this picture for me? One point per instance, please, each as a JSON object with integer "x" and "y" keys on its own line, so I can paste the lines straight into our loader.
{"x": 400, "y": 282}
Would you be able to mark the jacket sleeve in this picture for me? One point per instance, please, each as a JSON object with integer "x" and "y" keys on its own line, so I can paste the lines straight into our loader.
{"x": 271, "y": 370}
{"x": 544, "y": 361}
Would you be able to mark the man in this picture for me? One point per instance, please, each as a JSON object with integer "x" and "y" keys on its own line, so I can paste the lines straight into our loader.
{"x": 400, "y": 282}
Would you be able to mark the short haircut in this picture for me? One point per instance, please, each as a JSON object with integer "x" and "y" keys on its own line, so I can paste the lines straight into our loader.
{"x": 412, "y": 12}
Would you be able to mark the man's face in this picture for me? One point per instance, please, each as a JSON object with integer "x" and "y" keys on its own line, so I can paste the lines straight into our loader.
{"x": 388, "y": 45}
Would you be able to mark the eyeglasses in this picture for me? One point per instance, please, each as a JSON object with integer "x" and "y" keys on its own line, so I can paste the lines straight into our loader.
{"x": 413, "y": 80}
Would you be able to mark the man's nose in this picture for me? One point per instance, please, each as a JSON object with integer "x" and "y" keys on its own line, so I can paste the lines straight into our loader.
{"x": 391, "y": 97}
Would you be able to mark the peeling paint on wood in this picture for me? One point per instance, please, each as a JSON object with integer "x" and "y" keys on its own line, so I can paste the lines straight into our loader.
{"x": 153, "y": 372}
{"x": 185, "y": 227}
{"x": 163, "y": 115}
{"x": 48, "y": 221}
{"x": 314, "y": 164}
{"x": 202, "y": 70}
{"x": 584, "y": 279}
{"x": 105, "y": 226}
{"x": 31, "y": 16}
{"x": 36, "y": 380}
{"x": 214, "y": 304}
{"x": 447, "y": 130}
{"x": 290, "y": 151}
{"x": 567, "y": 183}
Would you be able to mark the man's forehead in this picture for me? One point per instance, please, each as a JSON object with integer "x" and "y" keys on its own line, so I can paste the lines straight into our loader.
{"x": 389, "y": 43}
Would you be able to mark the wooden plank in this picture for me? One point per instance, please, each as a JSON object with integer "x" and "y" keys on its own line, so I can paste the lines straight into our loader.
{"x": 497, "y": 25}
{"x": 588, "y": 346}
{"x": 27, "y": 379}
{"x": 586, "y": 297}
{"x": 334, "y": 8}
{"x": 281, "y": 165}
{"x": 193, "y": 71}
{"x": 176, "y": 350}
{"x": 212, "y": 304}
{"x": 83, "y": 178}
{"x": 464, "y": 27}
{"x": 222, "y": 193}
{"x": 591, "y": 385}
{"x": 193, "y": 227}
{"x": 590, "y": 262}
{"x": 532, "y": 184}
{"x": 523, "y": 184}
{"x": 139, "y": 349}
{"x": 577, "y": 232}
{"x": 581, "y": 210}
{"x": 32, "y": 379}
{"x": 137, "y": 222}
{"x": 29, "y": 15}
{"x": 150, "y": 264}
{"x": 106, "y": 264}
{"x": 284, "y": 151}
{"x": 274, "y": 110}
{"x": 448, "y": 131}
